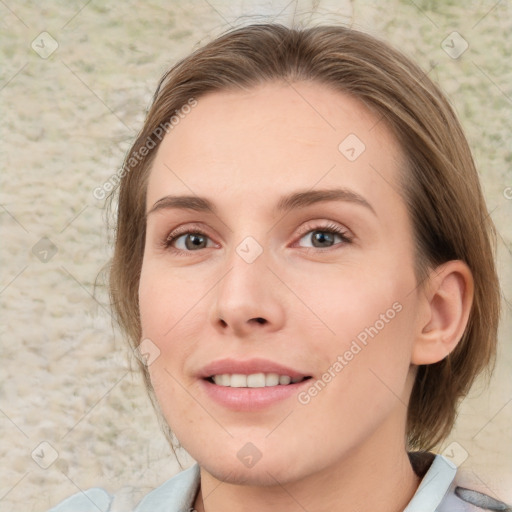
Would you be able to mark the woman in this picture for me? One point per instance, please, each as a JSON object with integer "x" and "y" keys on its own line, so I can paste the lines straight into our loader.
{"x": 304, "y": 266}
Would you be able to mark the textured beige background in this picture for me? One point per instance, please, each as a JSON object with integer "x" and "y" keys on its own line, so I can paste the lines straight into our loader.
{"x": 66, "y": 122}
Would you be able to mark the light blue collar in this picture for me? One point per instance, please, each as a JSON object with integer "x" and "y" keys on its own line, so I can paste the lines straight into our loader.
{"x": 433, "y": 486}
{"x": 178, "y": 492}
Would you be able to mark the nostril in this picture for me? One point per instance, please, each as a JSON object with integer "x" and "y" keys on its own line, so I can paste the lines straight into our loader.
{"x": 260, "y": 320}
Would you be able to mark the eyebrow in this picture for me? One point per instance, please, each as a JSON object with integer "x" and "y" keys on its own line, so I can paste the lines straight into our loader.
{"x": 286, "y": 203}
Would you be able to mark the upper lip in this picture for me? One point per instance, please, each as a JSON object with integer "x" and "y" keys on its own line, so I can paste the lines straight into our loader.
{"x": 247, "y": 367}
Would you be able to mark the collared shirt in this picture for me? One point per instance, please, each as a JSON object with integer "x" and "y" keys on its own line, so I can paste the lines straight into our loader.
{"x": 437, "y": 492}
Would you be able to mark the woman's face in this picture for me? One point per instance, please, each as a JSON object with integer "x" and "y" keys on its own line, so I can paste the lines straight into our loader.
{"x": 279, "y": 247}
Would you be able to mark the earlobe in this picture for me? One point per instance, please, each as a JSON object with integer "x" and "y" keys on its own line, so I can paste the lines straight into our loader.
{"x": 447, "y": 301}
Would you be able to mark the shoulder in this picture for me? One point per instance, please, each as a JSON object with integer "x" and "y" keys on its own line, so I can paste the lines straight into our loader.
{"x": 178, "y": 492}
{"x": 445, "y": 489}
{"x": 470, "y": 494}
{"x": 90, "y": 500}
{"x": 462, "y": 499}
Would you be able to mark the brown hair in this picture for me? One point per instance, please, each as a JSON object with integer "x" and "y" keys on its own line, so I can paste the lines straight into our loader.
{"x": 440, "y": 183}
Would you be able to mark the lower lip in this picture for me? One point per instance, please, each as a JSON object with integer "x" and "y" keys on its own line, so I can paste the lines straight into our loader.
{"x": 251, "y": 399}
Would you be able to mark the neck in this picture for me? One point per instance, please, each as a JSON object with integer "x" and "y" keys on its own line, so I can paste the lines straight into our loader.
{"x": 378, "y": 476}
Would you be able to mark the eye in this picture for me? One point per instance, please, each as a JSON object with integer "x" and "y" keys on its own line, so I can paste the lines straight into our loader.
{"x": 325, "y": 236}
{"x": 190, "y": 239}
{"x": 187, "y": 240}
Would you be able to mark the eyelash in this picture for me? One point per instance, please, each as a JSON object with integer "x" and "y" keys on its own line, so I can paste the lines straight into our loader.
{"x": 331, "y": 228}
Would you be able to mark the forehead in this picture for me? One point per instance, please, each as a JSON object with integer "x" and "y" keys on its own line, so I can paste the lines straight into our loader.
{"x": 247, "y": 146}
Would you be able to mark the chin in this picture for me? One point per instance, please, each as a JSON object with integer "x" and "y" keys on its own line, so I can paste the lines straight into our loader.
{"x": 260, "y": 477}
{"x": 264, "y": 473}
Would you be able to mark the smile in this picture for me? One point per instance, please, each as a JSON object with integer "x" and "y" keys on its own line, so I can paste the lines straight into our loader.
{"x": 254, "y": 380}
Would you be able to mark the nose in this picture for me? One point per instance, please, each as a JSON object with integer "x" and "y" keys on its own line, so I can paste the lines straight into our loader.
{"x": 248, "y": 300}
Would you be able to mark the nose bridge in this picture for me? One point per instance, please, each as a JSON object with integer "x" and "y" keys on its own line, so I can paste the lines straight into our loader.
{"x": 247, "y": 297}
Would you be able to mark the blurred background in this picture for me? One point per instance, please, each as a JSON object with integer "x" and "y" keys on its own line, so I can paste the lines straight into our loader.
{"x": 75, "y": 80}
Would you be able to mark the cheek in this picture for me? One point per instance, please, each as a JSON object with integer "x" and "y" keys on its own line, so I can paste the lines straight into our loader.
{"x": 167, "y": 301}
{"x": 366, "y": 376}
{"x": 172, "y": 312}
{"x": 367, "y": 336}
{"x": 161, "y": 309}
{"x": 349, "y": 302}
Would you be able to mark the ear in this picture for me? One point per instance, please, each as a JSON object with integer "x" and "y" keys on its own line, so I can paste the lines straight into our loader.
{"x": 447, "y": 300}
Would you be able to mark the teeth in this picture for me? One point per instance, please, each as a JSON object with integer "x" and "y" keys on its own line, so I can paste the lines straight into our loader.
{"x": 254, "y": 380}
{"x": 238, "y": 381}
{"x": 271, "y": 379}
{"x": 223, "y": 380}
{"x": 284, "y": 379}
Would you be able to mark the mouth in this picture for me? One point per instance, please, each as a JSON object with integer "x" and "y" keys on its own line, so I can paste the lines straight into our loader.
{"x": 254, "y": 380}
{"x": 250, "y": 385}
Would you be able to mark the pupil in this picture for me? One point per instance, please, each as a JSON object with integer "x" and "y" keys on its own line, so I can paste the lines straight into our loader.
{"x": 194, "y": 241}
{"x": 322, "y": 237}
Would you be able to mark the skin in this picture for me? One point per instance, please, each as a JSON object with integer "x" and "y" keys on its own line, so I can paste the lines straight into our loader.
{"x": 345, "y": 449}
